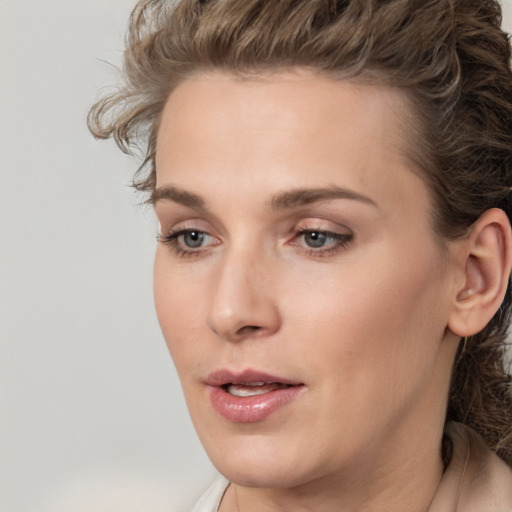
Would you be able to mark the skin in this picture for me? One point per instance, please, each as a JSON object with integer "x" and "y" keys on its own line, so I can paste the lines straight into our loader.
{"x": 362, "y": 321}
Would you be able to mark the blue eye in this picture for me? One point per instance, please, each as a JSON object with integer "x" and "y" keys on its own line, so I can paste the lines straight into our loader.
{"x": 322, "y": 243}
{"x": 187, "y": 242}
{"x": 192, "y": 239}
{"x": 315, "y": 239}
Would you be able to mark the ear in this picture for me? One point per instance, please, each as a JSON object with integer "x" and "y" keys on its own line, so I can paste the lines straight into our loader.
{"x": 486, "y": 261}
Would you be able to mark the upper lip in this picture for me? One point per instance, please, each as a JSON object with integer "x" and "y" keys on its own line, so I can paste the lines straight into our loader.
{"x": 223, "y": 377}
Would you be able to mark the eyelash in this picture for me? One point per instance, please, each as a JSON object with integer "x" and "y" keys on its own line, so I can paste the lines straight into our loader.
{"x": 172, "y": 241}
{"x": 340, "y": 242}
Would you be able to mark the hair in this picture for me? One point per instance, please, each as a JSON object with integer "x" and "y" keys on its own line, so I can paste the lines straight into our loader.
{"x": 450, "y": 56}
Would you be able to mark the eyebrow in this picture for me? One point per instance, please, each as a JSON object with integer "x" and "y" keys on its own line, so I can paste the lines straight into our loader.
{"x": 304, "y": 196}
{"x": 281, "y": 201}
{"x": 177, "y": 195}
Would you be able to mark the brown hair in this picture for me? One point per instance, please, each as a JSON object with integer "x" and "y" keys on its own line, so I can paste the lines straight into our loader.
{"x": 449, "y": 55}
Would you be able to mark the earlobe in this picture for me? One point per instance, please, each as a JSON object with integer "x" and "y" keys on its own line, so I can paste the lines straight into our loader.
{"x": 487, "y": 261}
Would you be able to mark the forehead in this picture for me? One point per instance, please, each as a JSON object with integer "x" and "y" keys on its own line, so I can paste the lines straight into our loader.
{"x": 299, "y": 102}
{"x": 285, "y": 130}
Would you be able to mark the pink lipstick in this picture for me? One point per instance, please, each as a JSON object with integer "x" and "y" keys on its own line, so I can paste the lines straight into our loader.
{"x": 250, "y": 396}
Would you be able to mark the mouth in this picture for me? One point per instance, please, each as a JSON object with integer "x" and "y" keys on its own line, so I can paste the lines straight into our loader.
{"x": 250, "y": 396}
{"x": 253, "y": 389}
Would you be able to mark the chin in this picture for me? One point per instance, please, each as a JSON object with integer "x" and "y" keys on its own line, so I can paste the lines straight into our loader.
{"x": 264, "y": 474}
{"x": 263, "y": 461}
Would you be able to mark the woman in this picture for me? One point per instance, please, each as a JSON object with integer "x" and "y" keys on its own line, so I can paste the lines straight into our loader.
{"x": 332, "y": 182}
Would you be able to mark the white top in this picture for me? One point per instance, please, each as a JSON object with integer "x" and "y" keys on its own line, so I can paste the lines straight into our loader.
{"x": 476, "y": 480}
{"x": 211, "y": 499}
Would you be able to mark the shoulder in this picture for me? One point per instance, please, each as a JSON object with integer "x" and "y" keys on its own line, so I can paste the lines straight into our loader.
{"x": 210, "y": 500}
{"x": 476, "y": 480}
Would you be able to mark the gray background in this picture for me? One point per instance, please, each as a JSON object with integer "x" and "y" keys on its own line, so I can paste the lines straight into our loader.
{"x": 91, "y": 414}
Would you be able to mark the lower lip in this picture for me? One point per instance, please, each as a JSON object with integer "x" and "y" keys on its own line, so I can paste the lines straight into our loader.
{"x": 251, "y": 409}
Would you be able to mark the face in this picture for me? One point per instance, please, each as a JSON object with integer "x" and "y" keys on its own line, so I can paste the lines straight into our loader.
{"x": 299, "y": 285}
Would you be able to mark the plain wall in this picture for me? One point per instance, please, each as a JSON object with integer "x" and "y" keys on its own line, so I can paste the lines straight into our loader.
{"x": 91, "y": 414}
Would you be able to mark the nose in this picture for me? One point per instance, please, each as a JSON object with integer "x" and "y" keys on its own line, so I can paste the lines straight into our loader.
{"x": 244, "y": 304}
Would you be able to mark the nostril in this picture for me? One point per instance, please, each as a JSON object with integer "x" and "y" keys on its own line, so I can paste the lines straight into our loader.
{"x": 247, "y": 329}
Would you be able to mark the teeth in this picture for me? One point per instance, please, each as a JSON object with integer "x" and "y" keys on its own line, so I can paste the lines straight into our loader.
{"x": 243, "y": 391}
{"x": 253, "y": 389}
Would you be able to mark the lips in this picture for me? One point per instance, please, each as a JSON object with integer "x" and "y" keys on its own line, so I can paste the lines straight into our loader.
{"x": 250, "y": 396}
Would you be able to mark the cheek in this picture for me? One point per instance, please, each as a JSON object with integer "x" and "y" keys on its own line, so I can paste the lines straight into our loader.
{"x": 370, "y": 317}
{"x": 178, "y": 309}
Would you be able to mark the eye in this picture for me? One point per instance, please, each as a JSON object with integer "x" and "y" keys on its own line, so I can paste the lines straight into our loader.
{"x": 193, "y": 239}
{"x": 317, "y": 242}
{"x": 315, "y": 238}
{"x": 188, "y": 242}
